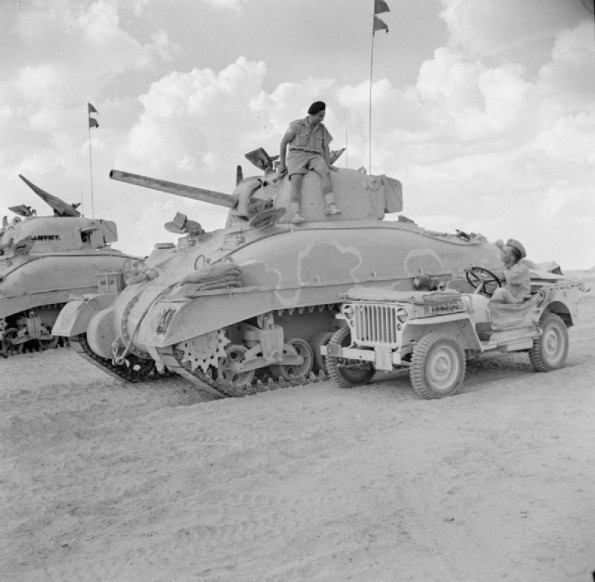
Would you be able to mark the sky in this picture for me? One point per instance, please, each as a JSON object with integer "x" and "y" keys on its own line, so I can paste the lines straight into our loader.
{"x": 484, "y": 110}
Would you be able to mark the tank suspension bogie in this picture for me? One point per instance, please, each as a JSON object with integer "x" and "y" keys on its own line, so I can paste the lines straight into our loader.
{"x": 301, "y": 369}
{"x": 29, "y": 330}
{"x": 263, "y": 353}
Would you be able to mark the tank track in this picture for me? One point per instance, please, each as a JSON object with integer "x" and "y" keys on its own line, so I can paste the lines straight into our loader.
{"x": 128, "y": 373}
{"x": 263, "y": 382}
{"x": 259, "y": 384}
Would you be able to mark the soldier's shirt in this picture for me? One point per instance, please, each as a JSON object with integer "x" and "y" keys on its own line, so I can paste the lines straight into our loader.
{"x": 309, "y": 139}
{"x": 518, "y": 280}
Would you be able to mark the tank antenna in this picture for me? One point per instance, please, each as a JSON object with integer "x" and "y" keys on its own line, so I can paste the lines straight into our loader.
{"x": 590, "y": 6}
{"x": 346, "y": 146}
{"x": 380, "y": 6}
{"x": 92, "y": 123}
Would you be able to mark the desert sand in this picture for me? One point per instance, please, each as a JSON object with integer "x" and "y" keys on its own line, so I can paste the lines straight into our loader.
{"x": 159, "y": 482}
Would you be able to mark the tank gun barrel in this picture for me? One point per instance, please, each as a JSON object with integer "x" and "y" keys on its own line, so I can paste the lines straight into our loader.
{"x": 201, "y": 194}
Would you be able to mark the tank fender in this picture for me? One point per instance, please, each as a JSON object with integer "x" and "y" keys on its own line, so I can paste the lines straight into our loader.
{"x": 74, "y": 317}
{"x": 458, "y": 325}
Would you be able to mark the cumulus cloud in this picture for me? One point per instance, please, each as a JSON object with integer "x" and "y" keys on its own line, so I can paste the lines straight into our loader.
{"x": 191, "y": 120}
{"x": 483, "y": 140}
{"x": 486, "y": 28}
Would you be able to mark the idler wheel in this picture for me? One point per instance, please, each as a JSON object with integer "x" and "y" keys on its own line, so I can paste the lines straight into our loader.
{"x": 295, "y": 372}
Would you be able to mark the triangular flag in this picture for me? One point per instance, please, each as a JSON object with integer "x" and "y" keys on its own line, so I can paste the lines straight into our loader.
{"x": 93, "y": 122}
{"x": 380, "y": 6}
{"x": 379, "y": 25}
{"x": 92, "y": 109}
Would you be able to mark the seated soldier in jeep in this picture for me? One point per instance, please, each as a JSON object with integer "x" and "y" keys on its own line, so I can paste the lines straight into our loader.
{"x": 516, "y": 274}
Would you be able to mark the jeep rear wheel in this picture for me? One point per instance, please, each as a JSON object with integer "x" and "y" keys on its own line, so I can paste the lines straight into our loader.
{"x": 347, "y": 373}
{"x": 550, "y": 350}
{"x": 437, "y": 366}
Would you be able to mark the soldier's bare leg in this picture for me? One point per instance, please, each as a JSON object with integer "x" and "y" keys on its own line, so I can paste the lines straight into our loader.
{"x": 295, "y": 181}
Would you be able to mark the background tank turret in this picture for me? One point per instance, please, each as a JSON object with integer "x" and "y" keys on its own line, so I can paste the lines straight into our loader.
{"x": 44, "y": 261}
{"x": 247, "y": 307}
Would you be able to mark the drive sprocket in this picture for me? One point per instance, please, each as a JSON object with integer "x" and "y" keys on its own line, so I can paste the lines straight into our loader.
{"x": 204, "y": 350}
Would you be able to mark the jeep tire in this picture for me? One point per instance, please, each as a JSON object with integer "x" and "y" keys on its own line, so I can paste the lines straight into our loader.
{"x": 437, "y": 365}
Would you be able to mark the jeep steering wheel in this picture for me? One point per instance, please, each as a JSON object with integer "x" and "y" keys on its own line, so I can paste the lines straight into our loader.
{"x": 479, "y": 278}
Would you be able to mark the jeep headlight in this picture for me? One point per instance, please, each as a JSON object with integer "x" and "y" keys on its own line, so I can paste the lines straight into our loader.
{"x": 401, "y": 315}
{"x": 348, "y": 312}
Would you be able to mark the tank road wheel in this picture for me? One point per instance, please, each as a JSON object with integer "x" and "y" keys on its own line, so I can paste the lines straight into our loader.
{"x": 347, "y": 373}
{"x": 8, "y": 348}
{"x": 319, "y": 340}
{"x": 296, "y": 372}
{"x": 437, "y": 365}
{"x": 231, "y": 382}
{"x": 549, "y": 351}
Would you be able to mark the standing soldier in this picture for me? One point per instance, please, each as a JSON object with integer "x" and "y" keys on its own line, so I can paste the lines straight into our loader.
{"x": 308, "y": 141}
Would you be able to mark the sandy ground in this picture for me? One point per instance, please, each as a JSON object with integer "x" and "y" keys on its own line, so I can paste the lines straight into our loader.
{"x": 157, "y": 482}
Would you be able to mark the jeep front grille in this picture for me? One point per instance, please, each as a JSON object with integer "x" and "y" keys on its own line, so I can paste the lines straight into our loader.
{"x": 375, "y": 324}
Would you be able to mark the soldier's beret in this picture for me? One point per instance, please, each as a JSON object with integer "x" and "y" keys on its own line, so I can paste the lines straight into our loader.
{"x": 316, "y": 107}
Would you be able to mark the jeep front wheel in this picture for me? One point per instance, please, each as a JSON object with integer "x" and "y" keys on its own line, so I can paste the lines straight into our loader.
{"x": 437, "y": 365}
{"x": 347, "y": 373}
{"x": 549, "y": 351}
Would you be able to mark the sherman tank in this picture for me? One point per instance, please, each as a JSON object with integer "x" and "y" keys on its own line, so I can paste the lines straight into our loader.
{"x": 247, "y": 307}
{"x": 44, "y": 261}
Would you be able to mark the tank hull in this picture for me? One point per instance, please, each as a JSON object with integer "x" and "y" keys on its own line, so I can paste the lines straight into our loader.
{"x": 296, "y": 274}
{"x": 36, "y": 280}
{"x": 293, "y": 269}
{"x": 34, "y": 288}
{"x": 252, "y": 303}
{"x": 44, "y": 262}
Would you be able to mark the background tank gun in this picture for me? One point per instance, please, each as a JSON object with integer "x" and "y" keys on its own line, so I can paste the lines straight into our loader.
{"x": 247, "y": 307}
{"x": 46, "y": 259}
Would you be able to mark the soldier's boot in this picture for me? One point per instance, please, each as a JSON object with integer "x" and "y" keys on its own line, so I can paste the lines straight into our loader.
{"x": 331, "y": 209}
{"x": 295, "y": 210}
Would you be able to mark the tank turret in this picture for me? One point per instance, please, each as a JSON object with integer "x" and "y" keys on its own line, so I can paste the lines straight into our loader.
{"x": 247, "y": 307}
{"x": 44, "y": 261}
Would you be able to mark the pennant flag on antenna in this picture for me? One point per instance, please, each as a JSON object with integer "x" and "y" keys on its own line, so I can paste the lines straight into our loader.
{"x": 92, "y": 121}
{"x": 379, "y": 25}
{"x": 380, "y": 6}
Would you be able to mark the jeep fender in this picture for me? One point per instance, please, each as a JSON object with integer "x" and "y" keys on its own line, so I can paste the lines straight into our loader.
{"x": 74, "y": 317}
{"x": 459, "y": 325}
